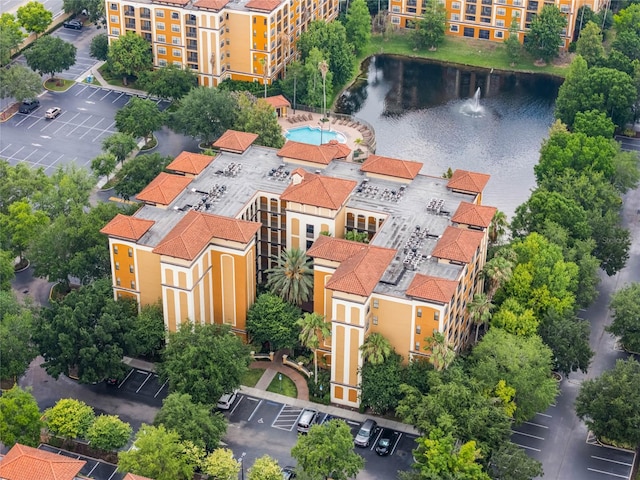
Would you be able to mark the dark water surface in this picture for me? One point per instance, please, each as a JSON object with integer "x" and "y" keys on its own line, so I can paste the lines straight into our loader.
{"x": 423, "y": 111}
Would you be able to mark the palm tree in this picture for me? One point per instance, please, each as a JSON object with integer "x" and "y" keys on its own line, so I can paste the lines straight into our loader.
{"x": 480, "y": 311}
{"x": 498, "y": 270}
{"x": 310, "y": 324}
{"x": 441, "y": 352}
{"x": 292, "y": 278}
{"x": 376, "y": 349}
{"x": 498, "y": 227}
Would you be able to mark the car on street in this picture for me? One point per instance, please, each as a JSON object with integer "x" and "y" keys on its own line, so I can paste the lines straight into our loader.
{"x": 367, "y": 429}
{"x": 52, "y": 113}
{"x": 383, "y": 446}
{"x": 227, "y": 400}
{"x": 29, "y": 106}
{"x": 74, "y": 24}
{"x": 288, "y": 473}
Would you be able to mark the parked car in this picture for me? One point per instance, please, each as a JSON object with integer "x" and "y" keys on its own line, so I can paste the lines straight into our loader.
{"x": 288, "y": 473}
{"x": 29, "y": 106}
{"x": 307, "y": 419}
{"x": 383, "y": 447}
{"x": 227, "y": 400}
{"x": 53, "y": 112}
{"x": 75, "y": 24}
{"x": 368, "y": 428}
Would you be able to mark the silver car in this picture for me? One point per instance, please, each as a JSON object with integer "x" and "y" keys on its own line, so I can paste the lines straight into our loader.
{"x": 368, "y": 428}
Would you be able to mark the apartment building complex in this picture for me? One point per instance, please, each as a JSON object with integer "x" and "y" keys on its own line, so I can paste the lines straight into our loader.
{"x": 210, "y": 228}
{"x": 249, "y": 40}
{"x": 489, "y": 19}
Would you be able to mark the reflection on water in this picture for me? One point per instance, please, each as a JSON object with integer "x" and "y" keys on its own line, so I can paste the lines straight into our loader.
{"x": 415, "y": 108}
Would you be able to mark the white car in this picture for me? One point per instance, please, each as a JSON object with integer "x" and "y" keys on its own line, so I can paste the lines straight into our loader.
{"x": 53, "y": 113}
{"x": 227, "y": 400}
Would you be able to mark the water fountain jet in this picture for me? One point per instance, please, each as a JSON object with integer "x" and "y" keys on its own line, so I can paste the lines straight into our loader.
{"x": 472, "y": 107}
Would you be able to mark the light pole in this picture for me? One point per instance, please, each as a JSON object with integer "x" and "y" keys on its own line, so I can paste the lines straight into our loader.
{"x": 241, "y": 460}
{"x": 324, "y": 68}
{"x": 280, "y": 380}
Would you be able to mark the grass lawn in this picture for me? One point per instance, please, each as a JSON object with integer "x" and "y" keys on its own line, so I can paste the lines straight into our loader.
{"x": 58, "y": 84}
{"x": 116, "y": 80}
{"x": 288, "y": 387}
{"x": 251, "y": 377}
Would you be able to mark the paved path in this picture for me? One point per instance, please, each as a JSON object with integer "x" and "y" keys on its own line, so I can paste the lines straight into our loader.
{"x": 272, "y": 368}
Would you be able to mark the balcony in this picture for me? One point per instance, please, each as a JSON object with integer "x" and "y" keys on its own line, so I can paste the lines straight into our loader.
{"x": 192, "y": 57}
{"x": 192, "y": 45}
{"x": 191, "y": 32}
{"x": 145, "y": 25}
{"x": 130, "y": 12}
{"x": 190, "y": 20}
{"x": 130, "y": 23}
{"x": 145, "y": 13}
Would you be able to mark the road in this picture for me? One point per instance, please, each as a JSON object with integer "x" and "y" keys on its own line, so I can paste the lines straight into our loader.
{"x": 11, "y": 6}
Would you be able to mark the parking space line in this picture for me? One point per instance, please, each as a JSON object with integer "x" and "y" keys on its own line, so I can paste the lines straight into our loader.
{"x": 608, "y": 473}
{"x": 278, "y": 415}
{"x": 40, "y": 160}
{"x": 236, "y": 406}
{"x": 376, "y": 440}
{"x": 118, "y": 98}
{"x": 158, "y": 392}
{"x": 526, "y": 447}
{"x": 82, "y": 89}
{"x": 149, "y": 375}
{"x": 544, "y": 414}
{"x": 396, "y": 445}
{"x": 527, "y": 435}
{"x": 255, "y": 410}
{"x": 126, "y": 378}
{"x": 91, "y": 471}
{"x": 80, "y": 125}
{"x": 612, "y": 461}
{"x": 536, "y": 425}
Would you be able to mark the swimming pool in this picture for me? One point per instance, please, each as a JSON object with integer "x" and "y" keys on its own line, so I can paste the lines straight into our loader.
{"x": 313, "y": 135}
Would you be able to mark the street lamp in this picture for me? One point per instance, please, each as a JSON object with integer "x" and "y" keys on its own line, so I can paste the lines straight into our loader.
{"x": 241, "y": 460}
{"x": 280, "y": 380}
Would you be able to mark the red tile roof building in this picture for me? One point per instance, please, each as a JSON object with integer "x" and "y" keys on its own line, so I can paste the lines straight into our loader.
{"x": 28, "y": 463}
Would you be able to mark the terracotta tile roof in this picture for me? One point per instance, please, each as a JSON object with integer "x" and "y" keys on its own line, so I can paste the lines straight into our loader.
{"x": 472, "y": 214}
{"x": 458, "y": 244}
{"x": 432, "y": 288}
{"x": 123, "y": 226}
{"x": 334, "y": 249}
{"x": 267, "y": 5}
{"x": 188, "y": 162}
{"x": 360, "y": 273}
{"x": 343, "y": 149}
{"x": 164, "y": 189}
{"x": 194, "y": 232}
{"x": 468, "y": 181}
{"x": 234, "y": 141}
{"x": 211, "y": 4}
{"x": 131, "y": 476}
{"x": 277, "y": 101}
{"x": 322, "y": 154}
{"x": 173, "y": 2}
{"x": 320, "y": 191}
{"x": 391, "y": 167}
{"x": 27, "y": 463}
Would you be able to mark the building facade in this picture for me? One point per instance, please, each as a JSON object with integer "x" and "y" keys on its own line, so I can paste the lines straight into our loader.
{"x": 489, "y": 19}
{"x": 249, "y": 40}
{"x": 210, "y": 228}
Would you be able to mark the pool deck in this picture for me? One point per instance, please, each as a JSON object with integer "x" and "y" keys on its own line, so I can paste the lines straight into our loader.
{"x": 351, "y": 133}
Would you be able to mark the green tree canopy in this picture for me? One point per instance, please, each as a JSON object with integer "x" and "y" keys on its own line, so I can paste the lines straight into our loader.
{"x": 610, "y": 404}
{"x": 150, "y": 331}
{"x": 130, "y": 54}
{"x": 19, "y": 82}
{"x": 7, "y": 272}
{"x": 16, "y": 344}
{"x": 120, "y": 145}
{"x": 327, "y": 450}
{"x": 192, "y": 421}
{"x": 138, "y": 172}
{"x": 11, "y": 36}
{"x": 429, "y": 32}
{"x": 589, "y": 44}
{"x": 20, "y": 225}
{"x": 204, "y": 361}
{"x": 169, "y": 83}
{"x": 221, "y": 465}
{"x": 510, "y": 462}
{"x": 376, "y": 348}
{"x": 594, "y": 123}
{"x": 515, "y": 318}
{"x": 380, "y": 384}
{"x": 258, "y": 116}
{"x": 20, "y": 182}
{"x": 543, "y": 40}
{"x": 358, "y": 25}
{"x": 50, "y": 55}
{"x": 292, "y": 277}
{"x": 108, "y": 432}
{"x": 19, "y": 418}
{"x": 139, "y": 118}
{"x": 625, "y": 307}
{"x": 69, "y": 418}
{"x": 93, "y": 8}
{"x": 568, "y": 339}
{"x": 512, "y": 43}
{"x": 265, "y": 468}
{"x": 313, "y": 328}
{"x": 272, "y": 320}
{"x": 99, "y": 47}
{"x": 35, "y": 18}
{"x": 158, "y": 454}
{"x": 104, "y": 165}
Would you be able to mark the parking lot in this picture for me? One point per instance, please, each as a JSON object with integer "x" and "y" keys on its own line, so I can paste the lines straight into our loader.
{"x": 75, "y": 136}
{"x": 139, "y": 386}
{"x": 96, "y": 469}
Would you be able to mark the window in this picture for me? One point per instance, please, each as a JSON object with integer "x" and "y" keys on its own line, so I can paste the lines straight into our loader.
{"x": 375, "y": 303}
{"x": 162, "y": 51}
{"x": 484, "y": 34}
{"x": 309, "y": 244}
{"x": 453, "y": 28}
{"x": 310, "y": 229}
{"x": 115, "y": 31}
{"x": 113, "y": 6}
{"x": 501, "y": 12}
{"x": 177, "y": 52}
{"x": 375, "y": 320}
{"x": 159, "y": 26}
{"x": 436, "y": 316}
{"x": 118, "y": 281}
{"x": 130, "y": 268}
{"x": 133, "y": 284}
{"x": 455, "y": 6}
{"x": 160, "y": 13}
{"x": 417, "y": 346}
{"x": 131, "y": 252}
{"x": 418, "y": 329}
{"x": 162, "y": 62}
{"x": 115, "y": 249}
{"x": 395, "y": 9}
{"x": 468, "y": 32}
{"x": 254, "y": 20}
{"x": 175, "y": 40}
{"x": 175, "y": 15}
{"x": 419, "y": 313}
{"x": 175, "y": 28}
{"x": 114, "y": 19}
{"x": 162, "y": 39}
{"x": 455, "y": 17}
{"x": 564, "y": 8}
{"x": 516, "y": 14}
{"x": 117, "y": 265}
{"x": 395, "y": 20}
{"x": 499, "y": 23}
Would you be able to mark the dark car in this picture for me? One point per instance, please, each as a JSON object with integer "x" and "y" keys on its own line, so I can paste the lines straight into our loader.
{"x": 383, "y": 447}
{"x": 75, "y": 24}
{"x": 29, "y": 106}
{"x": 288, "y": 473}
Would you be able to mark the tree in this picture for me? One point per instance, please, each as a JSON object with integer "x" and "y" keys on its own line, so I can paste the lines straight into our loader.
{"x": 69, "y": 418}
{"x": 35, "y": 18}
{"x": 497, "y": 227}
{"x": 104, "y": 165}
{"x": 19, "y": 418}
{"x": 205, "y": 113}
{"x": 204, "y": 361}
{"x": 221, "y": 465}
{"x": 11, "y": 36}
{"x": 7, "y": 271}
{"x": 441, "y": 353}
{"x": 512, "y": 43}
{"x": 120, "y": 145}
{"x": 265, "y": 468}
{"x": 358, "y": 25}
{"x": 138, "y": 172}
{"x": 158, "y": 454}
{"x": 313, "y": 76}
{"x": 94, "y": 9}
{"x": 21, "y": 182}
{"x": 610, "y": 404}
{"x": 523, "y": 362}
{"x": 130, "y": 54}
{"x": 355, "y": 236}
{"x": 88, "y": 330}
{"x": 108, "y": 432}
{"x": 50, "y": 55}
{"x": 628, "y": 44}
{"x": 568, "y": 339}
{"x": 589, "y": 44}
{"x": 70, "y": 189}
{"x": 380, "y": 382}
{"x": 99, "y": 48}
{"x": 150, "y": 331}
{"x": 292, "y": 277}
{"x": 139, "y": 118}
{"x": 16, "y": 344}
{"x": 625, "y": 306}
{"x": 499, "y": 271}
{"x": 169, "y": 83}
{"x": 20, "y": 226}
{"x": 327, "y": 451}
{"x": 510, "y": 462}
{"x": 19, "y": 82}
{"x": 543, "y": 40}
{"x": 429, "y": 32}
{"x": 258, "y": 116}
{"x": 593, "y": 123}
{"x": 192, "y": 421}
{"x": 515, "y": 318}
{"x": 576, "y": 85}
{"x": 375, "y": 349}
{"x": 313, "y": 327}
{"x": 480, "y": 311}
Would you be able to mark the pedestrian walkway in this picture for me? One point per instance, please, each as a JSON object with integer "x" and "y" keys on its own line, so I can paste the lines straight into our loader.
{"x": 272, "y": 368}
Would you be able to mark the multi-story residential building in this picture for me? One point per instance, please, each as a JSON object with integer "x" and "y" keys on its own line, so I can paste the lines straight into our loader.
{"x": 210, "y": 228}
{"x": 489, "y": 19}
{"x": 250, "y": 40}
